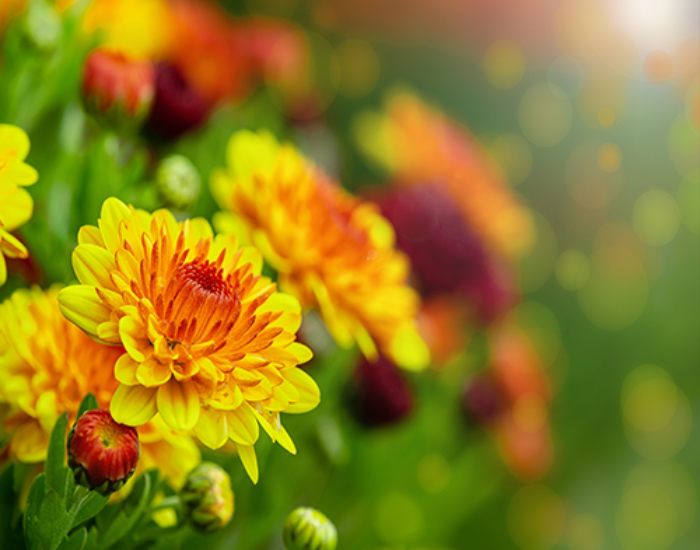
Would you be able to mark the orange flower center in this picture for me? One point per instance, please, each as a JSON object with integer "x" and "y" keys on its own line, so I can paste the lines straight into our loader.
{"x": 203, "y": 305}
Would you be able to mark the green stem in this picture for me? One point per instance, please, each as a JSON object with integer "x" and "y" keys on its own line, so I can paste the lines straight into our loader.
{"x": 168, "y": 502}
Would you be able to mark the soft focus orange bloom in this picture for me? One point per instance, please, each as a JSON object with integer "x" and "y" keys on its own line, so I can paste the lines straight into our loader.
{"x": 522, "y": 431}
{"x": 443, "y": 323}
{"x": 419, "y": 144}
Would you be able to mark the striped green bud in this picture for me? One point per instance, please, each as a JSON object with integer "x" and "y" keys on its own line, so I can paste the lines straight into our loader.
{"x": 309, "y": 529}
{"x": 178, "y": 182}
{"x": 207, "y": 498}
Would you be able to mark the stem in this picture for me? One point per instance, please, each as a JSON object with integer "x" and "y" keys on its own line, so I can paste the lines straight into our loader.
{"x": 167, "y": 502}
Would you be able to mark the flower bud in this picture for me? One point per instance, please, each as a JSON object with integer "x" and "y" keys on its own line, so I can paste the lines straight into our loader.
{"x": 42, "y": 25}
{"x": 101, "y": 452}
{"x": 207, "y": 497}
{"x": 178, "y": 182}
{"x": 309, "y": 529}
{"x": 178, "y": 106}
{"x": 118, "y": 91}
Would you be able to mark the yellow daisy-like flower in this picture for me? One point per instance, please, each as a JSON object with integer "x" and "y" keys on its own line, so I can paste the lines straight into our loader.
{"x": 333, "y": 251}
{"x": 16, "y": 204}
{"x": 48, "y": 365}
{"x": 210, "y": 344}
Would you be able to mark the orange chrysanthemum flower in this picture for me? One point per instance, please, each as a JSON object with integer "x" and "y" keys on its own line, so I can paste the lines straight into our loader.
{"x": 419, "y": 144}
{"x": 16, "y": 204}
{"x": 210, "y": 344}
{"x": 48, "y": 365}
{"x": 333, "y": 251}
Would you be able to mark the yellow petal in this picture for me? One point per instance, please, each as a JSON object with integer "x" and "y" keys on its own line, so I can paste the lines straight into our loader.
{"x": 152, "y": 372}
{"x": 301, "y": 352}
{"x": 212, "y": 428}
{"x": 242, "y": 425}
{"x": 93, "y": 264}
{"x": 109, "y": 332}
{"x": 89, "y": 234}
{"x": 81, "y": 305}
{"x": 409, "y": 350}
{"x": 178, "y": 404}
{"x": 16, "y": 209}
{"x": 125, "y": 370}
{"x": 133, "y": 405}
{"x": 133, "y": 335}
{"x": 112, "y": 214}
{"x": 249, "y": 460}
{"x": 309, "y": 394}
{"x": 285, "y": 441}
{"x": 29, "y": 442}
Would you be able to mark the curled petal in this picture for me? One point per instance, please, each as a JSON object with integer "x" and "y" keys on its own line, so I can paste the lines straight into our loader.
{"x": 133, "y": 405}
{"x": 81, "y": 305}
{"x": 178, "y": 404}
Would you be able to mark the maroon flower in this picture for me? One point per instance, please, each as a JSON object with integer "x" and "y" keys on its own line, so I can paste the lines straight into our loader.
{"x": 383, "y": 395}
{"x": 178, "y": 106}
{"x": 118, "y": 91}
{"x": 482, "y": 400}
{"x": 102, "y": 453}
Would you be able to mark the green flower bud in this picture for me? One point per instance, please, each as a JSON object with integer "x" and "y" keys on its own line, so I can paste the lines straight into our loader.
{"x": 309, "y": 529}
{"x": 178, "y": 182}
{"x": 207, "y": 498}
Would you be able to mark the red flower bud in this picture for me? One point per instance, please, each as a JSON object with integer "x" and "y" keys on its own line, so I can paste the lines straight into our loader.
{"x": 118, "y": 91}
{"x": 101, "y": 452}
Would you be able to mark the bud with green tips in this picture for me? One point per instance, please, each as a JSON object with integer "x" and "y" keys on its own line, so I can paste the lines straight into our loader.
{"x": 178, "y": 182}
{"x": 207, "y": 498}
{"x": 42, "y": 25}
{"x": 101, "y": 452}
{"x": 309, "y": 529}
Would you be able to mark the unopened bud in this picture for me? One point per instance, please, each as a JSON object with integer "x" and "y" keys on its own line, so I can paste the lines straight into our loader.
{"x": 207, "y": 497}
{"x": 42, "y": 25}
{"x": 118, "y": 91}
{"x": 101, "y": 452}
{"x": 309, "y": 529}
{"x": 178, "y": 182}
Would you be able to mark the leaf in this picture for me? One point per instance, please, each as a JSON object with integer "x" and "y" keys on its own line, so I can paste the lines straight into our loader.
{"x": 140, "y": 496}
{"x": 55, "y": 471}
{"x": 88, "y": 403}
{"x": 10, "y": 534}
{"x": 76, "y": 541}
{"x": 32, "y": 508}
{"x": 54, "y": 522}
{"x": 90, "y": 505}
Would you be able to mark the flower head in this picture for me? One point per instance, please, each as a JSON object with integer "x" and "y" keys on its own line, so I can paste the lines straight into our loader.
{"x": 210, "y": 344}
{"x": 333, "y": 251}
{"x": 117, "y": 89}
{"x": 207, "y": 497}
{"x": 178, "y": 181}
{"x": 101, "y": 452}
{"x": 309, "y": 529}
{"x": 48, "y": 365}
{"x": 418, "y": 143}
{"x": 16, "y": 204}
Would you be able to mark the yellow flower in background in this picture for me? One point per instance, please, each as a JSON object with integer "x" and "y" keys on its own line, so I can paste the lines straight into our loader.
{"x": 334, "y": 252}
{"x": 416, "y": 144}
{"x": 47, "y": 366}
{"x": 16, "y": 204}
{"x": 210, "y": 343}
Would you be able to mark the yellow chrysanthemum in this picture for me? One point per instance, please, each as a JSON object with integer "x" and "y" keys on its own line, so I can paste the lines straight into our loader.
{"x": 16, "y": 204}
{"x": 48, "y": 365}
{"x": 210, "y": 344}
{"x": 417, "y": 143}
{"x": 333, "y": 251}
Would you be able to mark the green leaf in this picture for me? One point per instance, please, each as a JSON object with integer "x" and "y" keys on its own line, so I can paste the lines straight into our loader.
{"x": 55, "y": 471}
{"x": 89, "y": 506}
{"x": 139, "y": 498}
{"x": 88, "y": 403}
{"x": 54, "y": 522}
{"x": 31, "y": 511}
{"x": 76, "y": 541}
{"x": 10, "y": 533}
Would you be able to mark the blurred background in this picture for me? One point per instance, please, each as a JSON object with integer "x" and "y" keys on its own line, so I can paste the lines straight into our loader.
{"x": 559, "y": 411}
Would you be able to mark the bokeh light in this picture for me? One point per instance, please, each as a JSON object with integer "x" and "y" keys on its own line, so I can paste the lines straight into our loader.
{"x": 358, "y": 68}
{"x": 504, "y": 64}
{"x": 398, "y": 517}
{"x": 656, "y": 413}
{"x": 572, "y": 269}
{"x": 513, "y": 156}
{"x": 603, "y": 100}
{"x": 585, "y": 532}
{"x": 536, "y": 518}
{"x": 656, "y": 217}
{"x": 591, "y": 183}
{"x": 433, "y": 473}
{"x": 657, "y": 507}
{"x": 684, "y": 145}
{"x": 544, "y": 114}
{"x": 657, "y": 67}
{"x": 566, "y": 75}
{"x": 536, "y": 266}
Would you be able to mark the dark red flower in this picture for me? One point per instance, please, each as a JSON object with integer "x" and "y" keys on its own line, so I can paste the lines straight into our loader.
{"x": 101, "y": 452}
{"x": 383, "y": 394}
